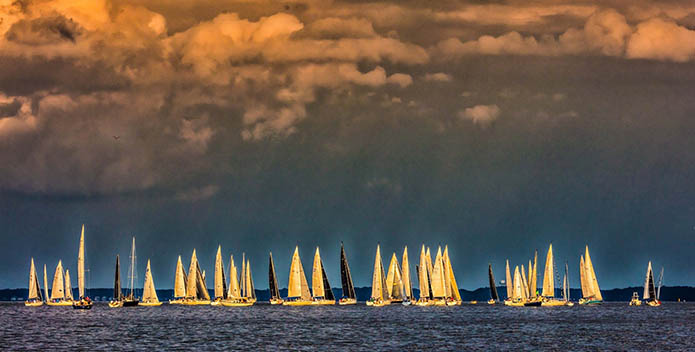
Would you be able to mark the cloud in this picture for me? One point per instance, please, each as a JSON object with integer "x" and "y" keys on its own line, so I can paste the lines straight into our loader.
{"x": 660, "y": 39}
{"x": 482, "y": 115}
{"x": 400, "y": 79}
{"x": 16, "y": 115}
{"x": 438, "y": 77}
{"x": 197, "y": 194}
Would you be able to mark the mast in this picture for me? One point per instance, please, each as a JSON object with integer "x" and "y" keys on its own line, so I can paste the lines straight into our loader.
{"x": 57, "y": 290}
{"x": 509, "y": 284}
{"x": 45, "y": 283}
{"x": 80, "y": 266}
{"x": 566, "y": 284}
{"x": 405, "y": 270}
{"x": 345, "y": 277}
{"x": 179, "y": 280}
{"x": 117, "y": 281}
{"x": 68, "y": 286}
{"x": 132, "y": 269}
{"x": 493, "y": 288}
{"x": 548, "y": 275}
{"x": 149, "y": 293}
{"x": 220, "y": 284}
{"x": 273, "y": 280}
{"x": 317, "y": 276}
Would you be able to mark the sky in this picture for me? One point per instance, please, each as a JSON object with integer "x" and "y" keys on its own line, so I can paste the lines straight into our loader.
{"x": 493, "y": 127}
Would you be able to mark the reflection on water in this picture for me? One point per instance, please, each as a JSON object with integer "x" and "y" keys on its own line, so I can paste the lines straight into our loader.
{"x": 613, "y": 326}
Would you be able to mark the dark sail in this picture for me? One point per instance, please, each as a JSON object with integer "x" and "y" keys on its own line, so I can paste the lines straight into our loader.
{"x": 493, "y": 288}
{"x": 345, "y": 277}
{"x": 273, "y": 280}
{"x": 327, "y": 291}
{"x": 117, "y": 294}
{"x": 201, "y": 287}
{"x": 652, "y": 290}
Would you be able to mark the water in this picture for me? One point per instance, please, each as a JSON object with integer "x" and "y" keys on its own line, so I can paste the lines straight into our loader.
{"x": 613, "y": 326}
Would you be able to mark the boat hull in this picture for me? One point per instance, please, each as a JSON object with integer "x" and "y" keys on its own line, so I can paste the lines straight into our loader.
{"x": 533, "y": 304}
{"x": 553, "y": 303}
{"x": 491, "y": 302}
{"x": 323, "y": 302}
{"x": 59, "y": 304}
{"x": 228, "y": 303}
{"x": 276, "y": 301}
{"x": 296, "y": 303}
{"x": 635, "y": 302}
{"x": 378, "y": 303}
{"x": 347, "y": 301}
{"x": 589, "y": 302}
{"x": 116, "y": 304}
{"x": 423, "y": 303}
{"x": 150, "y": 304}
{"x": 33, "y": 304}
{"x": 131, "y": 303}
{"x": 176, "y": 301}
{"x": 511, "y": 303}
{"x": 653, "y": 303}
{"x": 471, "y": 302}
{"x": 196, "y": 302}
{"x": 82, "y": 304}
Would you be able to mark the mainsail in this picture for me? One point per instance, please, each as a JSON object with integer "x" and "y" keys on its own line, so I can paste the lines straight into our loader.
{"x": 117, "y": 293}
{"x": 423, "y": 278}
{"x": 196, "y": 288}
{"x": 250, "y": 290}
{"x": 80, "y": 266}
{"x": 234, "y": 292}
{"x": 394, "y": 281}
{"x": 549, "y": 275}
{"x": 518, "y": 292}
{"x": 649, "y": 289}
{"x": 58, "y": 288}
{"x": 149, "y": 293}
{"x": 438, "y": 282}
{"x": 345, "y": 277}
{"x": 405, "y": 270}
{"x": 297, "y": 286}
{"x": 317, "y": 287}
{"x": 273, "y": 280}
{"x": 509, "y": 283}
{"x": 534, "y": 277}
{"x": 452, "y": 286}
{"x": 220, "y": 283}
{"x": 68, "y": 286}
{"x": 493, "y": 288}
{"x": 34, "y": 288}
{"x": 45, "y": 282}
{"x": 591, "y": 277}
{"x": 179, "y": 280}
{"x": 566, "y": 284}
{"x": 378, "y": 284}
{"x": 524, "y": 283}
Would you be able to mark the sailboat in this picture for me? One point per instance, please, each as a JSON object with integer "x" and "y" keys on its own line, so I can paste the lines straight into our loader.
{"x": 179, "y": 284}
{"x": 235, "y": 297}
{"x": 321, "y": 289}
{"x": 58, "y": 288}
{"x": 591, "y": 293}
{"x": 349, "y": 296}
{"x": 425, "y": 298}
{"x": 196, "y": 290}
{"x": 84, "y": 302}
{"x": 149, "y": 293}
{"x": 249, "y": 289}
{"x": 379, "y": 295}
{"x": 548, "y": 293}
{"x": 130, "y": 300}
{"x": 452, "y": 289}
{"x": 273, "y": 283}
{"x": 297, "y": 289}
{"x": 34, "y": 298}
{"x": 494, "y": 298}
{"x": 394, "y": 282}
{"x": 407, "y": 282}
{"x": 650, "y": 296}
{"x": 566, "y": 287}
{"x": 438, "y": 282}
{"x": 508, "y": 284}
{"x": 518, "y": 296}
{"x": 117, "y": 301}
{"x": 220, "y": 283}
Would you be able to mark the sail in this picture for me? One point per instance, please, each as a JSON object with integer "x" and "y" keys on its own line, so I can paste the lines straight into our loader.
{"x": 68, "y": 286}
{"x": 149, "y": 293}
{"x": 566, "y": 284}
{"x": 45, "y": 283}
{"x": 117, "y": 293}
{"x": 422, "y": 274}
{"x": 326, "y": 286}
{"x": 661, "y": 280}
{"x": 493, "y": 288}
{"x": 394, "y": 280}
{"x": 582, "y": 278}
{"x": 243, "y": 275}
{"x": 273, "y": 280}
{"x": 58, "y": 288}
{"x": 534, "y": 278}
{"x": 317, "y": 288}
{"x": 405, "y": 271}
{"x": 549, "y": 274}
{"x": 377, "y": 277}
{"x": 220, "y": 283}
{"x": 297, "y": 286}
{"x": 250, "y": 291}
{"x": 524, "y": 283}
{"x": 430, "y": 267}
{"x": 202, "y": 289}
{"x": 447, "y": 274}
{"x": 649, "y": 291}
{"x": 591, "y": 276}
{"x": 34, "y": 288}
{"x": 345, "y": 277}
{"x": 196, "y": 288}
{"x": 517, "y": 293}
{"x": 234, "y": 292}
{"x": 179, "y": 280}
{"x": 80, "y": 266}
{"x": 509, "y": 283}
{"x": 530, "y": 276}
{"x": 438, "y": 284}
{"x": 453, "y": 286}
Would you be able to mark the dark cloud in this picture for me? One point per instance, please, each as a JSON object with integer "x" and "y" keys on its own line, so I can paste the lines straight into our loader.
{"x": 43, "y": 30}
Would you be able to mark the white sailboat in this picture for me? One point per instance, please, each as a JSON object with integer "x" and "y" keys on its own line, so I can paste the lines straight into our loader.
{"x": 235, "y": 297}
{"x": 84, "y": 302}
{"x": 250, "y": 289}
{"x": 379, "y": 295}
{"x": 179, "y": 284}
{"x": 650, "y": 295}
{"x": 58, "y": 288}
{"x": 34, "y": 298}
{"x": 149, "y": 293}
{"x": 220, "y": 282}
{"x": 297, "y": 288}
{"x": 425, "y": 298}
{"x": 394, "y": 282}
{"x": 548, "y": 293}
{"x": 517, "y": 298}
{"x": 321, "y": 289}
{"x": 438, "y": 282}
{"x": 590, "y": 290}
{"x": 508, "y": 284}
{"x": 196, "y": 290}
{"x": 407, "y": 282}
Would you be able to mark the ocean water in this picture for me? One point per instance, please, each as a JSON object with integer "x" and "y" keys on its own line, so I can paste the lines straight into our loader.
{"x": 612, "y": 326}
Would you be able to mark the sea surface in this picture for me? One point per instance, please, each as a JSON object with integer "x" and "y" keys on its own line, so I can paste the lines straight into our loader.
{"x": 610, "y": 327}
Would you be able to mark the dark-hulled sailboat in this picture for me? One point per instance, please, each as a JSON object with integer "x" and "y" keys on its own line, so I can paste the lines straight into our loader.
{"x": 494, "y": 297}
{"x": 349, "y": 296}
{"x": 273, "y": 283}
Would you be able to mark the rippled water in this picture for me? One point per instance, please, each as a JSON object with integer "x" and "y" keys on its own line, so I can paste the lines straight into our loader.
{"x": 613, "y": 326}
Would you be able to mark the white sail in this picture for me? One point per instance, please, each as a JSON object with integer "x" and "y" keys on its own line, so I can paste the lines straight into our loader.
{"x": 394, "y": 280}
{"x": 220, "y": 284}
{"x": 80, "y": 265}
{"x": 405, "y": 270}
{"x": 34, "y": 289}
{"x": 646, "y": 294}
{"x": 249, "y": 282}
{"x": 455, "y": 294}
{"x": 430, "y": 267}
{"x": 377, "y": 279}
{"x": 549, "y": 275}
{"x": 179, "y": 280}
{"x": 517, "y": 293}
{"x": 530, "y": 277}
{"x": 438, "y": 284}
{"x": 45, "y": 283}
{"x": 534, "y": 277}
{"x": 582, "y": 278}
{"x": 68, "y": 286}
{"x": 192, "y": 284}
{"x": 234, "y": 292}
{"x": 243, "y": 275}
{"x": 591, "y": 276}
{"x": 149, "y": 293}
{"x": 524, "y": 283}
{"x": 317, "y": 288}
{"x": 447, "y": 277}
{"x": 58, "y": 288}
{"x": 297, "y": 286}
{"x": 509, "y": 283}
{"x": 422, "y": 274}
